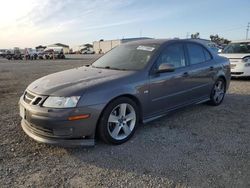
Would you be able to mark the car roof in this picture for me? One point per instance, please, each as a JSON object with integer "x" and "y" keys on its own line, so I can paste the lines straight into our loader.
{"x": 147, "y": 42}
{"x": 160, "y": 41}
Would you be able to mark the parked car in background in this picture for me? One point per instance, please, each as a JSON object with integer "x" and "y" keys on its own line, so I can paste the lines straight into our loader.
{"x": 48, "y": 54}
{"x": 15, "y": 54}
{"x": 134, "y": 82}
{"x": 3, "y": 53}
{"x": 40, "y": 55}
{"x": 238, "y": 53}
{"x": 31, "y": 54}
{"x": 88, "y": 51}
{"x": 53, "y": 53}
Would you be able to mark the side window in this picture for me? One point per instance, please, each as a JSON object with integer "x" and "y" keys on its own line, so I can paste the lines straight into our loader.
{"x": 173, "y": 54}
{"x": 196, "y": 53}
{"x": 207, "y": 55}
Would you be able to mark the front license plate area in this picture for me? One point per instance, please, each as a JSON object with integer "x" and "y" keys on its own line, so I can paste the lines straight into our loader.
{"x": 22, "y": 111}
{"x": 232, "y": 66}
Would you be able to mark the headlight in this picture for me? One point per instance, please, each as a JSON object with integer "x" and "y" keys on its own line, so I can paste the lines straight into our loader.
{"x": 246, "y": 59}
{"x": 61, "y": 102}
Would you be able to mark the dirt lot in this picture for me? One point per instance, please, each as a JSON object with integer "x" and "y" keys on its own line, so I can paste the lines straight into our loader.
{"x": 200, "y": 146}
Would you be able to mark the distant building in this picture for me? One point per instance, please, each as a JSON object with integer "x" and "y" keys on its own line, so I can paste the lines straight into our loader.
{"x": 80, "y": 48}
{"x": 65, "y": 47}
{"x": 104, "y": 46}
{"x": 40, "y": 48}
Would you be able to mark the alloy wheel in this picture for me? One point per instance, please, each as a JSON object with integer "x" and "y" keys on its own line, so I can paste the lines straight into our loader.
{"x": 219, "y": 91}
{"x": 121, "y": 121}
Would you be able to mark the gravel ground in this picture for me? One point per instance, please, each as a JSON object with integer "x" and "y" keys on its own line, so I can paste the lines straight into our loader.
{"x": 199, "y": 146}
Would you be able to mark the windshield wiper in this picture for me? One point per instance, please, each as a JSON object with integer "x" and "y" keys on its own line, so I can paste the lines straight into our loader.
{"x": 108, "y": 67}
{"x": 113, "y": 68}
{"x": 96, "y": 67}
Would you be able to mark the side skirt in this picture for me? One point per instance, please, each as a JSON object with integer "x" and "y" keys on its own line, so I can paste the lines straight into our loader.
{"x": 164, "y": 113}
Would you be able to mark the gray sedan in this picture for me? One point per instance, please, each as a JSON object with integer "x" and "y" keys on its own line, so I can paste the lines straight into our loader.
{"x": 134, "y": 83}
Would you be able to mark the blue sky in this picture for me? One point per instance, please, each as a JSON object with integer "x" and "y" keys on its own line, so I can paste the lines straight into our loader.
{"x": 30, "y": 22}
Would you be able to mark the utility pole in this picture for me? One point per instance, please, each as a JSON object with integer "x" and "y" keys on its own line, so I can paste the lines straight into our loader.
{"x": 248, "y": 25}
{"x": 140, "y": 33}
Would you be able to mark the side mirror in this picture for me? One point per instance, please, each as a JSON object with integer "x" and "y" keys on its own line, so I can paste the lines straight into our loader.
{"x": 164, "y": 67}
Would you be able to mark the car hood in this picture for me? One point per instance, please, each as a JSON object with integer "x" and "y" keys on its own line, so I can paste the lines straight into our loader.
{"x": 234, "y": 56}
{"x": 74, "y": 81}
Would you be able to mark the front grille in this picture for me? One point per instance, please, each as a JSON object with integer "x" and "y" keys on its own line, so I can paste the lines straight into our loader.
{"x": 235, "y": 60}
{"x": 237, "y": 73}
{"x": 28, "y": 97}
{"x": 232, "y": 65}
{"x": 33, "y": 99}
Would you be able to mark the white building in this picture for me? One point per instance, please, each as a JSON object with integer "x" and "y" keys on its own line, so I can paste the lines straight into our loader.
{"x": 59, "y": 45}
{"x": 80, "y": 48}
{"x": 104, "y": 46}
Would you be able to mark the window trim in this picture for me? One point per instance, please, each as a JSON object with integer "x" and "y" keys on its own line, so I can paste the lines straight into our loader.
{"x": 203, "y": 47}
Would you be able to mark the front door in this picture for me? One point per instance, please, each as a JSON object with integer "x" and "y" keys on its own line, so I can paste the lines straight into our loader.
{"x": 168, "y": 90}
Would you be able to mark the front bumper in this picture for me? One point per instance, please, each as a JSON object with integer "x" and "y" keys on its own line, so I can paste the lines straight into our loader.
{"x": 52, "y": 126}
{"x": 55, "y": 141}
{"x": 238, "y": 69}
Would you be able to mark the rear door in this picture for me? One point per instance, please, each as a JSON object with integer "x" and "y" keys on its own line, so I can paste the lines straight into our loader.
{"x": 202, "y": 68}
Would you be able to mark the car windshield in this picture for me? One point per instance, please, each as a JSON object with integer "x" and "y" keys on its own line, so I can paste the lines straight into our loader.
{"x": 126, "y": 57}
{"x": 233, "y": 48}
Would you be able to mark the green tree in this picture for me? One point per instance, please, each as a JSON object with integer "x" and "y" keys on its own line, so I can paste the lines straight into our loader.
{"x": 195, "y": 35}
{"x": 219, "y": 40}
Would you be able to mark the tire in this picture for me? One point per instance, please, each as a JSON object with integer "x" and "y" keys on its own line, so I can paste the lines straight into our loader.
{"x": 114, "y": 126}
{"x": 218, "y": 92}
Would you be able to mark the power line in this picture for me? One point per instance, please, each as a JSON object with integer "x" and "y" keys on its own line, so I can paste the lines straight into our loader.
{"x": 226, "y": 30}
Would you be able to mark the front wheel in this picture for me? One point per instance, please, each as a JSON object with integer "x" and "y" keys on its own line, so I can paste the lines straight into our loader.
{"x": 119, "y": 121}
{"x": 218, "y": 92}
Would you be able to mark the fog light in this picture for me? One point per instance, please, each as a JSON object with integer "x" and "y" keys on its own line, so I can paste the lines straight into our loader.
{"x": 84, "y": 116}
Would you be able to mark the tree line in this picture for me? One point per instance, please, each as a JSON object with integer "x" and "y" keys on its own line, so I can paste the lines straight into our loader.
{"x": 214, "y": 38}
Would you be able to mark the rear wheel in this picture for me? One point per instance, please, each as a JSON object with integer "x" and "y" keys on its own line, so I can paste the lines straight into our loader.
{"x": 119, "y": 121}
{"x": 218, "y": 92}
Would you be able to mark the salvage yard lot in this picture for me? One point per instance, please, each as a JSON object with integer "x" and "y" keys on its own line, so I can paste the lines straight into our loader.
{"x": 199, "y": 146}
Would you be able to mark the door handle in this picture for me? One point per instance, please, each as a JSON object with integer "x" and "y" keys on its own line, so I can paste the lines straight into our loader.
{"x": 185, "y": 74}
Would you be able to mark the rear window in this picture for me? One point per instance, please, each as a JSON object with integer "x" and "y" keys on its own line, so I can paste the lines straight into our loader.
{"x": 207, "y": 55}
